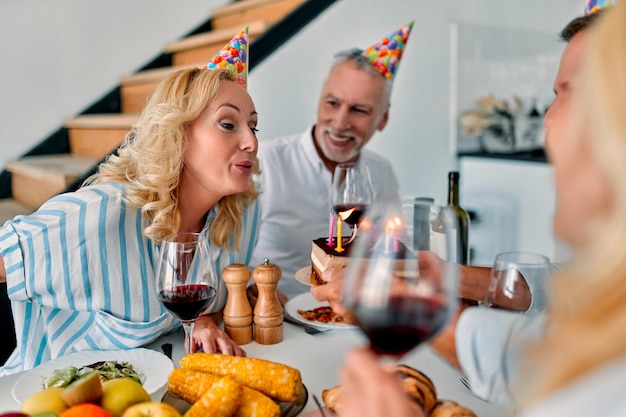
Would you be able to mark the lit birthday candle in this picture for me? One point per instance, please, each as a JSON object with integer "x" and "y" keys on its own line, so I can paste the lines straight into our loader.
{"x": 339, "y": 248}
{"x": 396, "y": 224}
{"x": 331, "y": 228}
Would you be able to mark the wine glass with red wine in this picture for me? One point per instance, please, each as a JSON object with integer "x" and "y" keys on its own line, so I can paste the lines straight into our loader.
{"x": 352, "y": 193}
{"x": 400, "y": 298}
{"x": 186, "y": 279}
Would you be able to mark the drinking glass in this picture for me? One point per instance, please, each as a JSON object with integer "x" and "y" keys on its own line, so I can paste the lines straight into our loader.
{"x": 512, "y": 276}
{"x": 186, "y": 279}
{"x": 352, "y": 193}
{"x": 399, "y": 298}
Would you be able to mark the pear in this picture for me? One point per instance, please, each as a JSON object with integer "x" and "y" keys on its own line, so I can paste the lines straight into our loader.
{"x": 86, "y": 389}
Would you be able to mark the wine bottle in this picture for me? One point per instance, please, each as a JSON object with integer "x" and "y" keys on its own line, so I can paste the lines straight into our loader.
{"x": 462, "y": 217}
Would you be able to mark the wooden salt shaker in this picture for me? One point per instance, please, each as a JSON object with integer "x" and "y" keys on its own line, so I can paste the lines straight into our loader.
{"x": 237, "y": 312}
{"x": 268, "y": 313}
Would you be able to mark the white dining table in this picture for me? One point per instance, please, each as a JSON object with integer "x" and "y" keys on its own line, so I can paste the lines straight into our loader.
{"x": 318, "y": 357}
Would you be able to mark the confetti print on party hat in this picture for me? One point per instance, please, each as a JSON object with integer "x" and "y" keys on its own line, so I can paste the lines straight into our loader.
{"x": 385, "y": 55}
{"x": 592, "y": 6}
{"x": 233, "y": 56}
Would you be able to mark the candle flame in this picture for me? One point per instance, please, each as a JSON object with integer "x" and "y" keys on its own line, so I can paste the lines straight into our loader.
{"x": 394, "y": 223}
{"x": 345, "y": 214}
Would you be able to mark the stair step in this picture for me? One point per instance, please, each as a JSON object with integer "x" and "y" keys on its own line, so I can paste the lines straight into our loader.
{"x": 137, "y": 88}
{"x": 95, "y": 136}
{"x": 37, "y": 178}
{"x": 242, "y": 12}
{"x": 198, "y": 49}
{"x": 9, "y": 208}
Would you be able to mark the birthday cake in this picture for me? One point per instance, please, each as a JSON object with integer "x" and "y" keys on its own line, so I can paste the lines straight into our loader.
{"x": 324, "y": 256}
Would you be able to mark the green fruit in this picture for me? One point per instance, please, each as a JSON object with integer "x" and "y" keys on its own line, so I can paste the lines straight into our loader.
{"x": 46, "y": 401}
{"x": 86, "y": 389}
{"x": 119, "y": 394}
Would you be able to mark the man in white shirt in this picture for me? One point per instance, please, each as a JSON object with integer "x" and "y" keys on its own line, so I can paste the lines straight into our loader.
{"x": 296, "y": 171}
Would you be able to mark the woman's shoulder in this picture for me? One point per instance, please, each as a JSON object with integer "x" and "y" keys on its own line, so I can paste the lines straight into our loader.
{"x": 91, "y": 194}
{"x": 87, "y": 202}
{"x": 599, "y": 392}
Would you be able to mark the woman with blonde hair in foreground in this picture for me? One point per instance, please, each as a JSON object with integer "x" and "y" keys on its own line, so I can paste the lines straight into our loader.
{"x": 579, "y": 367}
{"x": 80, "y": 269}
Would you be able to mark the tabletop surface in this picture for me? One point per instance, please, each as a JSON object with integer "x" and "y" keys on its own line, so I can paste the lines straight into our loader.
{"x": 318, "y": 357}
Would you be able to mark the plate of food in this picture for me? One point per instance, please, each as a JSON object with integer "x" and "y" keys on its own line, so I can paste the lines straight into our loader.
{"x": 307, "y": 310}
{"x": 150, "y": 367}
{"x": 267, "y": 387}
{"x": 304, "y": 275}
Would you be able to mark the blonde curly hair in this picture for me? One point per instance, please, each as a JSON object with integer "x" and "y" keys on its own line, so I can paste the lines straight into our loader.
{"x": 150, "y": 160}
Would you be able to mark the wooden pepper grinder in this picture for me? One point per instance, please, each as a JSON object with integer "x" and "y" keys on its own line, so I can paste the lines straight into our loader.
{"x": 237, "y": 312}
{"x": 268, "y": 313}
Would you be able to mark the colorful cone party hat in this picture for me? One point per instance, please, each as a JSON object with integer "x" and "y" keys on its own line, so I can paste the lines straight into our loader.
{"x": 385, "y": 55}
{"x": 592, "y": 6}
{"x": 233, "y": 56}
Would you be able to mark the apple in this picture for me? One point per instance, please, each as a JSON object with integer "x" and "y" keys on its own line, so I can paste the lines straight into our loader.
{"x": 151, "y": 409}
{"x": 13, "y": 414}
{"x": 119, "y": 394}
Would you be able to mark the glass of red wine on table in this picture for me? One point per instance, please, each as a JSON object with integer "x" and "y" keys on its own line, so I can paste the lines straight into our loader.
{"x": 186, "y": 279}
{"x": 400, "y": 297}
{"x": 352, "y": 194}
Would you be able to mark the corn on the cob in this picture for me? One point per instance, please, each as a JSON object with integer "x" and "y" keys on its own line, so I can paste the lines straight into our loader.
{"x": 190, "y": 385}
{"x": 278, "y": 381}
{"x": 221, "y": 400}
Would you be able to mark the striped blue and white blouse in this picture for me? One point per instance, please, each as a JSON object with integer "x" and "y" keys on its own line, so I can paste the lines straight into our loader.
{"x": 80, "y": 276}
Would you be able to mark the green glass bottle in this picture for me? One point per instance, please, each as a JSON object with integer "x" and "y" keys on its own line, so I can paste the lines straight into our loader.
{"x": 463, "y": 221}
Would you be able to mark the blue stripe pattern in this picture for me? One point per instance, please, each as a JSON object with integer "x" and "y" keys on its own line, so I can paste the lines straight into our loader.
{"x": 80, "y": 276}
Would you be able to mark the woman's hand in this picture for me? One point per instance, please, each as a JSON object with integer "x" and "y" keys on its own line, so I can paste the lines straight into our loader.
{"x": 370, "y": 391}
{"x": 208, "y": 336}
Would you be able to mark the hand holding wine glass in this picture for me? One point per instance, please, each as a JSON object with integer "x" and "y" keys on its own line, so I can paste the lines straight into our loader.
{"x": 352, "y": 193}
{"x": 517, "y": 280}
{"x": 186, "y": 279}
{"x": 400, "y": 298}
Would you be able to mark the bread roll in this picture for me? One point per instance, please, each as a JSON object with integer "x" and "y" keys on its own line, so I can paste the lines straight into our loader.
{"x": 331, "y": 398}
{"x": 449, "y": 408}
{"x": 418, "y": 386}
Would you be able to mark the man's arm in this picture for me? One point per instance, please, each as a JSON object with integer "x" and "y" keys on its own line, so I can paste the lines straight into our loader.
{"x": 3, "y": 274}
{"x": 474, "y": 282}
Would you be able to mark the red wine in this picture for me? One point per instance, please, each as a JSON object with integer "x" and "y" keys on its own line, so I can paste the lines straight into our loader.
{"x": 188, "y": 301}
{"x": 355, "y": 216}
{"x": 405, "y": 322}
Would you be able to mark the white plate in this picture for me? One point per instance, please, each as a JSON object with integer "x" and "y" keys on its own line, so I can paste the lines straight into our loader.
{"x": 304, "y": 275}
{"x": 154, "y": 366}
{"x": 306, "y": 301}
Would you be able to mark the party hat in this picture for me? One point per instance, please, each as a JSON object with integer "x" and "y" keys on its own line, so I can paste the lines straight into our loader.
{"x": 385, "y": 55}
{"x": 592, "y": 6}
{"x": 233, "y": 56}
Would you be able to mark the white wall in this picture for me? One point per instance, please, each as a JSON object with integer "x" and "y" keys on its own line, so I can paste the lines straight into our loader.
{"x": 57, "y": 57}
{"x": 417, "y": 139}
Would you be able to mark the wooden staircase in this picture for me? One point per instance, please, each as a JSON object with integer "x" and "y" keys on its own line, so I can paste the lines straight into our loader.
{"x": 34, "y": 179}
